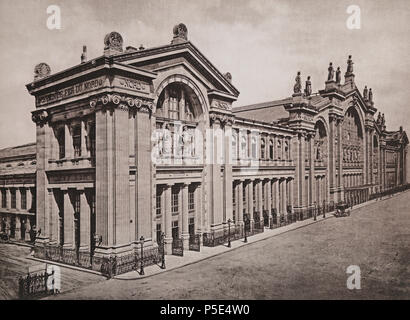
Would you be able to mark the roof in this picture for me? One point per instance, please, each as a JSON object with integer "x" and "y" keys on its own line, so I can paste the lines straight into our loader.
{"x": 28, "y": 149}
{"x": 270, "y": 111}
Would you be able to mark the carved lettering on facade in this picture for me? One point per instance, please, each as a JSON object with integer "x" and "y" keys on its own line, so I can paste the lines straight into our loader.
{"x": 70, "y": 91}
{"x": 132, "y": 84}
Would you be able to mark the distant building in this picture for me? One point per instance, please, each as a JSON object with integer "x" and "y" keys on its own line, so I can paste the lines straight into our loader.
{"x": 140, "y": 142}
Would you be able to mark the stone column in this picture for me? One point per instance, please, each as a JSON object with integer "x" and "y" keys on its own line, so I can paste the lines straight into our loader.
{"x": 29, "y": 199}
{"x": 68, "y": 221}
{"x": 18, "y": 199}
{"x": 185, "y": 220}
{"x": 269, "y": 197}
{"x": 85, "y": 222}
{"x": 249, "y": 187}
{"x": 8, "y": 198}
{"x": 227, "y": 178}
{"x": 28, "y": 228}
{"x": 54, "y": 222}
{"x": 291, "y": 195}
{"x": 240, "y": 202}
{"x": 332, "y": 156}
{"x": 198, "y": 211}
{"x": 69, "y": 148}
{"x": 312, "y": 170}
{"x": 277, "y": 200}
{"x": 259, "y": 200}
{"x": 168, "y": 218}
{"x": 17, "y": 230}
{"x": 283, "y": 197}
{"x": 84, "y": 151}
{"x": 340, "y": 160}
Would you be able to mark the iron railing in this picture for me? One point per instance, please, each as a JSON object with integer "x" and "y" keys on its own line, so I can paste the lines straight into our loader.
{"x": 35, "y": 285}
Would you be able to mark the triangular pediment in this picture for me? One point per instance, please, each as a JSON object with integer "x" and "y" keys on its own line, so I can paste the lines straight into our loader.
{"x": 183, "y": 54}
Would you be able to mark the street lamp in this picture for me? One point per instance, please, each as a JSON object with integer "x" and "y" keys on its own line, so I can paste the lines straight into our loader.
{"x": 229, "y": 233}
{"x": 244, "y": 228}
{"x": 163, "y": 251}
{"x": 314, "y": 211}
{"x": 142, "y": 256}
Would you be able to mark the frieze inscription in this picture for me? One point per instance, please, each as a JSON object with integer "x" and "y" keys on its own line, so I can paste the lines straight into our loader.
{"x": 73, "y": 90}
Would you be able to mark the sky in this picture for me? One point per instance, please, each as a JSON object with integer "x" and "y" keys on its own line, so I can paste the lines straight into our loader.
{"x": 261, "y": 43}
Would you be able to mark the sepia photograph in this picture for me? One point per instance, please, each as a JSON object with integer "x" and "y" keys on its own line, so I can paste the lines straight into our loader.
{"x": 204, "y": 151}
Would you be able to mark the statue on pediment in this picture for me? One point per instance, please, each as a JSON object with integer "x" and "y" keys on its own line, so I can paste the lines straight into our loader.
{"x": 297, "y": 88}
{"x": 338, "y": 75}
{"x": 365, "y": 93}
{"x": 349, "y": 65}
{"x": 370, "y": 95}
{"x": 308, "y": 87}
{"x": 331, "y": 73}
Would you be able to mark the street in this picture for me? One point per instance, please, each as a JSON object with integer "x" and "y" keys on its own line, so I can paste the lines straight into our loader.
{"x": 306, "y": 263}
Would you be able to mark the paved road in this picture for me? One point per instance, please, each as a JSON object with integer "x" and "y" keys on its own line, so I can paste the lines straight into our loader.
{"x": 14, "y": 262}
{"x": 307, "y": 263}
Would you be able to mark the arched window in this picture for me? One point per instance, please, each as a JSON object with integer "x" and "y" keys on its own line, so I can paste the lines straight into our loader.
{"x": 286, "y": 156}
{"x": 271, "y": 149}
{"x": 263, "y": 149}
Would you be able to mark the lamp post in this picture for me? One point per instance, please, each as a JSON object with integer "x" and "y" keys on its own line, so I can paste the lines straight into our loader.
{"x": 163, "y": 251}
{"x": 142, "y": 256}
{"x": 229, "y": 233}
{"x": 314, "y": 211}
{"x": 244, "y": 229}
{"x": 324, "y": 207}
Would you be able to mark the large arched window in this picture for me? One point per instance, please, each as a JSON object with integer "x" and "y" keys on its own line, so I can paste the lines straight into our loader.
{"x": 320, "y": 142}
{"x": 178, "y": 112}
{"x": 286, "y": 150}
{"x": 271, "y": 149}
{"x": 352, "y": 135}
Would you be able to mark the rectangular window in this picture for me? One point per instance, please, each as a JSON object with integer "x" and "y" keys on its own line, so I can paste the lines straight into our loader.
{"x": 158, "y": 201}
{"x": 23, "y": 198}
{"x": 61, "y": 143}
{"x": 191, "y": 200}
{"x": 13, "y": 198}
{"x": 77, "y": 141}
{"x": 77, "y": 203}
{"x": 3, "y": 198}
{"x": 175, "y": 200}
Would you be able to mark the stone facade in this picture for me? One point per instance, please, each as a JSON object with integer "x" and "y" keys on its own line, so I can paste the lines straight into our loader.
{"x": 140, "y": 142}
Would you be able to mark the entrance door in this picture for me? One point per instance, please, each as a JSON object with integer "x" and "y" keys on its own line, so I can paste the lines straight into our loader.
{"x": 175, "y": 230}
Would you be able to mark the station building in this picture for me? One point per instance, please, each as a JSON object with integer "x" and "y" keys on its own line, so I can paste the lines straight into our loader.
{"x": 141, "y": 142}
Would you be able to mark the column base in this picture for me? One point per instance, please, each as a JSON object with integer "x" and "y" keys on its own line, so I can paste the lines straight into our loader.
{"x": 185, "y": 238}
{"x": 168, "y": 245}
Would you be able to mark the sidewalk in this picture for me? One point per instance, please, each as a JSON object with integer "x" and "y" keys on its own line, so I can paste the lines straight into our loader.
{"x": 190, "y": 257}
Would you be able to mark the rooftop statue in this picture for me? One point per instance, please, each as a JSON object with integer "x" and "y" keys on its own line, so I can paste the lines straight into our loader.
{"x": 297, "y": 88}
{"x": 308, "y": 87}
{"x": 338, "y": 75}
{"x": 349, "y": 65}
{"x": 331, "y": 74}
{"x": 365, "y": 93}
